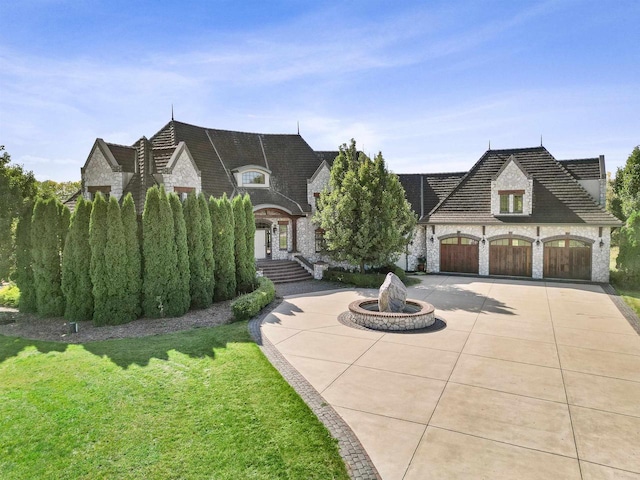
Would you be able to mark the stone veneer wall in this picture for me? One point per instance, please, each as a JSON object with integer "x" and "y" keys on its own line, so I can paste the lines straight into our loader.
{"x": 599, "y": 255}
{"x": 512, "y": 178}
{"x": 183, "y": 175}
{"x": 317, "y": 185}
{"x": 98, "y": 172}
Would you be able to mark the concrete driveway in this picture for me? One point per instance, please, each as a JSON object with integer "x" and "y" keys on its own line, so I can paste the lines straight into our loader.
{"x": 528, "y": 380}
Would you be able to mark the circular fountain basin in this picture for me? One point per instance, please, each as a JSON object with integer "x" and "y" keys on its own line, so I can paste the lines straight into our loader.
{"x": 416, "y": 315}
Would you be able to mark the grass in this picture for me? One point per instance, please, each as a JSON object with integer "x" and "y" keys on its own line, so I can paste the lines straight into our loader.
{"x": 629, "y": 293}
{"x": 9, "y": 295}
{"x": 199, "y": 404}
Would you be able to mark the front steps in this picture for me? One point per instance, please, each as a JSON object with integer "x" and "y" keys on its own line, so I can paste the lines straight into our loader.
{"x": 283, "y": 271}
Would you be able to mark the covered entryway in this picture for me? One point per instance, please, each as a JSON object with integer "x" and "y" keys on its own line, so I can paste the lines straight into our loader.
{"x": 262, "y": 241}
{"x": 459, "y": 254}
{"x": 567, "y": 258}
{"x": 510, "y": 256}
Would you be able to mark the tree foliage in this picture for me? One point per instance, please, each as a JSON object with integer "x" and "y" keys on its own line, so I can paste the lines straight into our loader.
{"x": 16, "y": 186}
{"x": 180, "y": 299}
{"x": 46, "y": 255}
{"x": 628, "y": 260}
{"x": 250, "y": 233}
{"x": 195, "y": 247}
{"x": 24, "y": 272}
{"x": 98, "y": 266}
{"x": 626, "y": 187}
{"x": 364, "y": 213}
{"x": 243, "y": 272}
{"x": 76, "y": 264}
{"x": 60, "y": 190}
{"x": 159, "y": 253}
{"x": 133, "y": 293}
{"x": 223, "y": 248}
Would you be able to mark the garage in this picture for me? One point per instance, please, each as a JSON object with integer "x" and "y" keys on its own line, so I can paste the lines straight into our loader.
{"x": 459, "y": 254}
{"x": 510, "y": 256}
{"x": 567, "y": 258}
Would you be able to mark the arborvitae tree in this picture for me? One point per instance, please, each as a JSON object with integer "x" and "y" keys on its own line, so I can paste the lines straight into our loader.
{"x": 628, "y": 260}
{"x": 365, "y": 215}
{"x": 243, "y": 275}
{"x": 195, "y": 247}
{"x": 117, "y": 310}
{"x": 159, "y": 253}
{"x": 223, "y": 248}
{"x": 180, "y": 299}
{"x": 64, "y": 220}
{"x": 98, "y": 266}
{"x": 45, "y": 243}
{"x": 207, "y": 244}
{"x": 134, "y": 266}
{"x": 24, "y": 273}
{"x": 76, "y": 264}
{"x": 250, "y": 234}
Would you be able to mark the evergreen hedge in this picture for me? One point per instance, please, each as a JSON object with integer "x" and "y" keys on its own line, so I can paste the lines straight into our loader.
{"x": 223, "y": 251}
{"x": 195, "y": 246}
{"x": 46, "y": 229}
{"x": 207, "y": 244}
{"x": 133, "y": 293}
{"x": 243, "y": 276}
{"x": 159, "y": 253}
{"x": 250, "y": 304}
{"x": 24, "y": 260}
{"x": 180, "y": 298}
{"x": 98, "y": 267}
{"x": 250, "y": 232}
{"x": 76, "y": 264}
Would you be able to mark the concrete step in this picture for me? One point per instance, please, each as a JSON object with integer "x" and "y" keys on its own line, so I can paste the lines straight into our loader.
{"x": 283, "y": 271}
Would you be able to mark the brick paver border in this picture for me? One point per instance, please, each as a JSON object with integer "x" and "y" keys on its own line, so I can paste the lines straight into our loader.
{"x": 359, "y": 465}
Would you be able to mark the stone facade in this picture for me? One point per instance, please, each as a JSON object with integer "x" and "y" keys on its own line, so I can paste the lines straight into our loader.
{"x": 316, "y": 184}
{"x": 99, "y": 172}
{"x": 181, "y": 171}
{"x": 591, "y": 234}
{"x": 512, "y": 178}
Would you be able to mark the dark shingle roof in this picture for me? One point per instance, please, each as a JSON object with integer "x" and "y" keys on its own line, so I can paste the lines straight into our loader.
{"x": 327, "y": 156}
{"x": 161, "y": 157}
{"x": 125, "y": 156}
{"x": 584, "y": 168}
{"x": 268, "y": 196}
{"x": 428, "y": 188}
{"x": 557, "y": 196}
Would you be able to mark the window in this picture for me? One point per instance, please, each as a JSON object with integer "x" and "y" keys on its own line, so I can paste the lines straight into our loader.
{"x": 105, "y": 190}
{"x": 321, "y": 245}
{"x": 283, "y": 236}
{"x": 517, "y": 204}
{"x": 459, "y": 241}
{"x": 182, "y": 192}
{"x": 253, "y": 178}
{"x": 504, "y": 203}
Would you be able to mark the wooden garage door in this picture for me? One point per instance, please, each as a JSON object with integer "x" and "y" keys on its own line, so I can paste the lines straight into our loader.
{"x": 567, "y": 259}
{"x": 459, "y": 254}
{"x": 510, "y": 256}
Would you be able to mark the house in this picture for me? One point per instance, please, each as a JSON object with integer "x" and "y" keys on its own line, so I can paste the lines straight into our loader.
{"x": 517, "y": 212}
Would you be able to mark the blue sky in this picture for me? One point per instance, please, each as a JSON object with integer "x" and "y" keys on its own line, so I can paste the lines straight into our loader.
{"x": 428, "y": 83}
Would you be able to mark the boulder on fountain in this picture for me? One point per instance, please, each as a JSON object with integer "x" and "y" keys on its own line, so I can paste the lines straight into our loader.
{"x": 392, "y": 296}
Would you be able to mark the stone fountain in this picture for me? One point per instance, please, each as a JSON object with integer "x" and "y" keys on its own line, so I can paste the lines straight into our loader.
{"x": 392, "y": 311}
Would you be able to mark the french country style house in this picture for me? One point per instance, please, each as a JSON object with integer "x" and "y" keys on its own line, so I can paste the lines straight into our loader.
{"x": 517, "y": 212}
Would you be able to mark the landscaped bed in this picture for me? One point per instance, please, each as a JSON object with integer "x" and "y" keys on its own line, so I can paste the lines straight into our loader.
{"x": 203, "y": 403}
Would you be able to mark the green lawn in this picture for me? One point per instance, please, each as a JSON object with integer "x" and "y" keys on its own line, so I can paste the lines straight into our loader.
{"x": 199, "y": 404}
{"x": 629, "y": 294}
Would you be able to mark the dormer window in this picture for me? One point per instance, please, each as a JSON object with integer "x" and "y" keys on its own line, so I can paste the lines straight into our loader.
{"x": 252, "y": 176}
{"x": 511, "y": 201}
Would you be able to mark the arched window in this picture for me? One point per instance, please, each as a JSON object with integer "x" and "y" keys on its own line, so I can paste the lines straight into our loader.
{"x": 253, "y": 178}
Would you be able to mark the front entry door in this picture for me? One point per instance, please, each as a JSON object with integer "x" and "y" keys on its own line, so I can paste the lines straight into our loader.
{"x": 260, "y": 244}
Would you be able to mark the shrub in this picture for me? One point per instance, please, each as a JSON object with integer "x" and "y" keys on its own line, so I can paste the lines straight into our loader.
{"x": 223, "y": 242}
{"x": 98, "y": 267}
{"x": 250, "y": 233}
{"x": 9, "y": 295}
{"x": 24, "y": 272}
{"x": 160, "y": 256}
{"x": 244, "y": 279}
{"x": 207, "y": 244}
{"x": 248, "y": 305}
{"x": 195, "y": 246}
{"x": 76, "y": 264}
{"x": 134, "y": 260}
{"x": 363, "y": 280}
{"x": 180, "y": 297}
{"x": 46, "y": 229}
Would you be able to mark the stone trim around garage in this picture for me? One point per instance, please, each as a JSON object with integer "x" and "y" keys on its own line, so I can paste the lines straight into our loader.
{"x": 359, "y": 465}
{"x": 628, "y": 312}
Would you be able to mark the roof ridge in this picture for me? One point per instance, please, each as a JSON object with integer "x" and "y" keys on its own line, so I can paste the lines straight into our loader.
{"x": 120, "y": 145}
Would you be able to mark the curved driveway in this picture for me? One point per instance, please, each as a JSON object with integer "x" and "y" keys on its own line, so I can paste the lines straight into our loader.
{"x": 529, "y": 380}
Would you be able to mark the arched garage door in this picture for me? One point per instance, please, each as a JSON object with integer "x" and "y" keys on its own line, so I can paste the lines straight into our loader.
{"x": 567, "y": 258}
{"x": 459, "y": 254}
{"x": 510, "y": 256}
